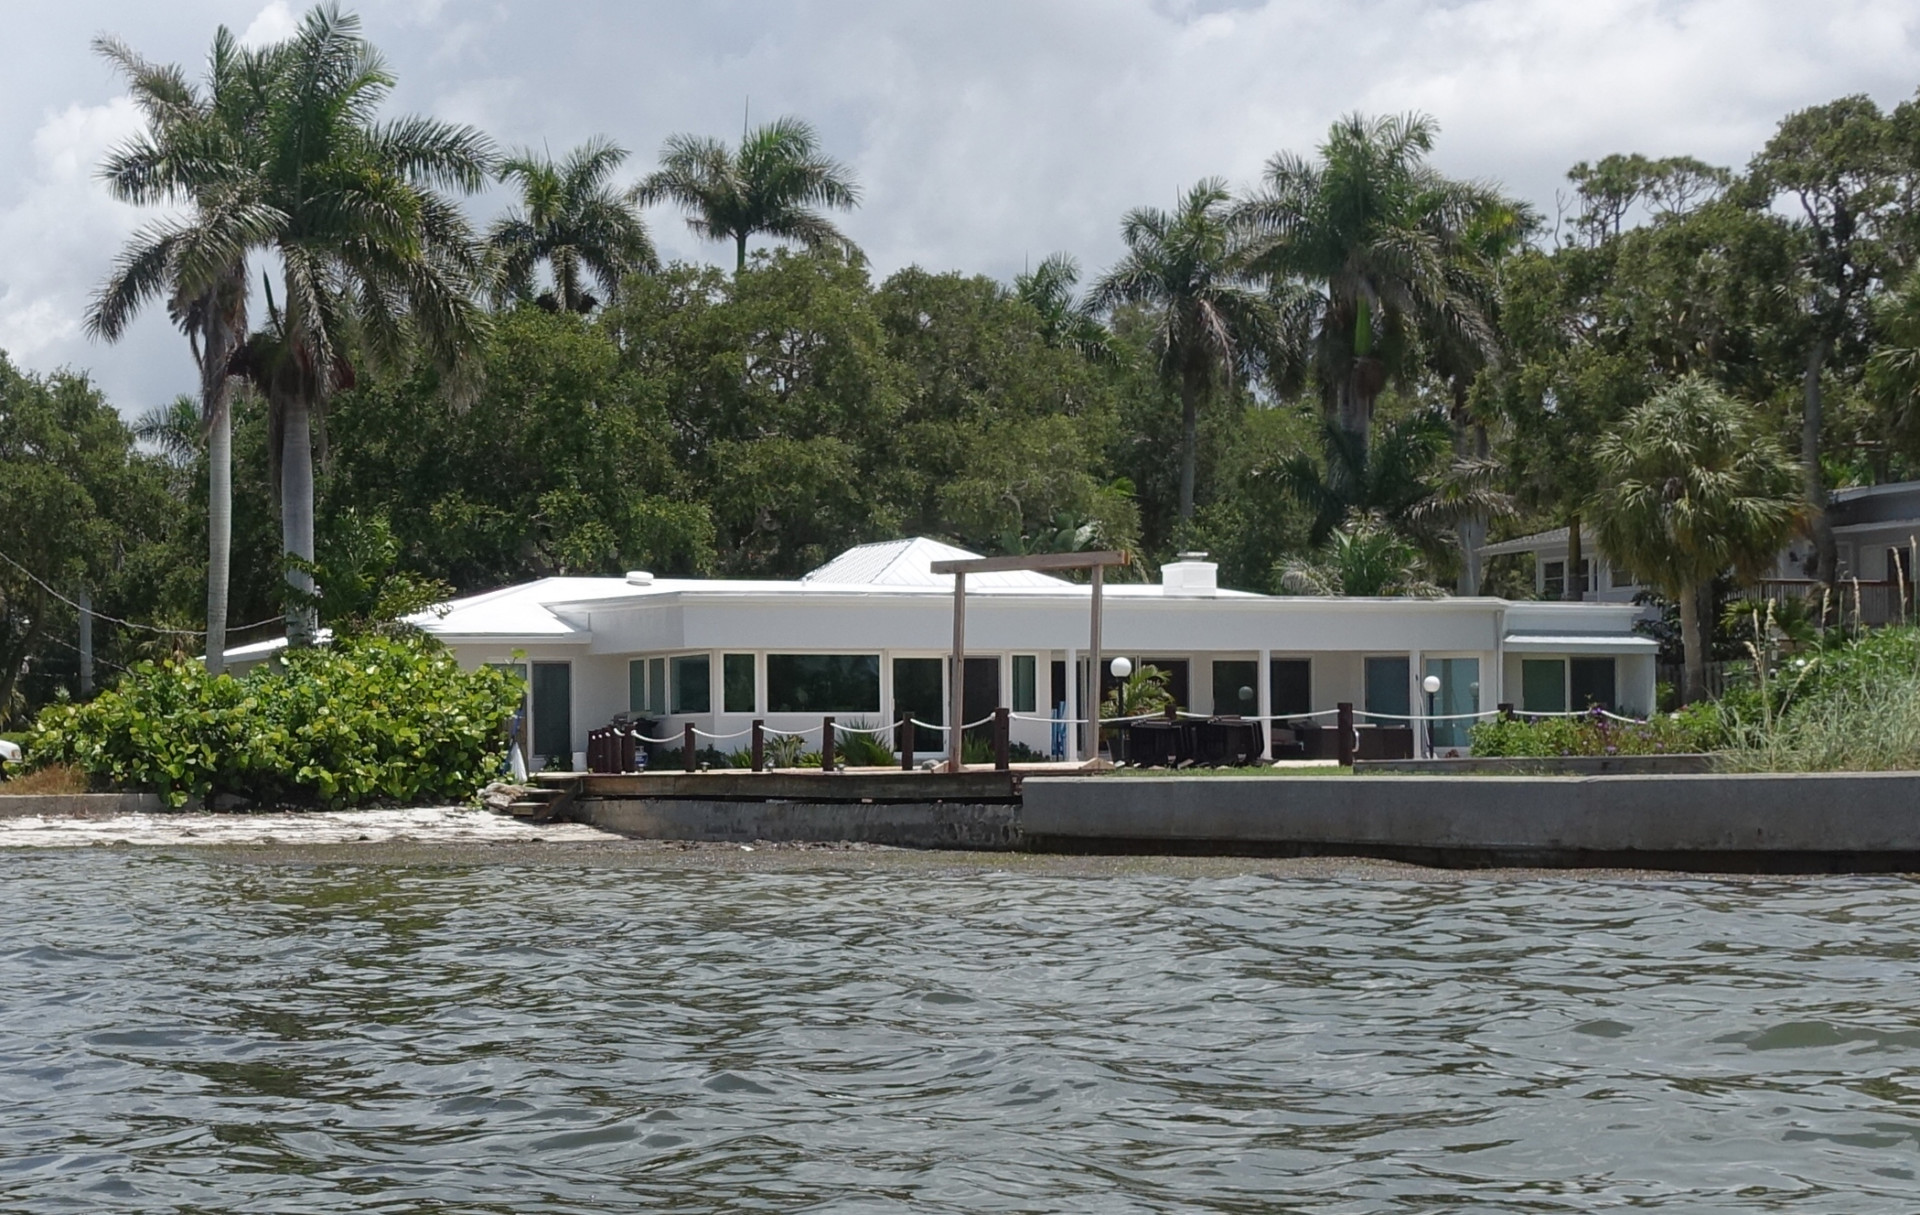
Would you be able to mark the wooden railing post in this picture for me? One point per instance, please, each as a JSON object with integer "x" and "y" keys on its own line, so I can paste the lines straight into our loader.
{"x": 1343, "y": 723}
{"x": 826, "y": 744}
{"x": 1505, "y": 709}
{"x": 904, "y": 735}
{"x": 759, "y": 745}
{"x": 686, "y": 749}
{"x": 1002, "y": 742}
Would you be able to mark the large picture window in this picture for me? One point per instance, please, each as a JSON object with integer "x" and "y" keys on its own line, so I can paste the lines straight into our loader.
{"x": 823, "y": 683}
{"x": 1025, "y": 691}
{"x": 736, "y": 677}
{"x": 693, "y": 684}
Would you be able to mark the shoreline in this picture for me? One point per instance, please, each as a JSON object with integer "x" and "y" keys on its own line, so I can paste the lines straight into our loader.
{"x": 462, "y": 837}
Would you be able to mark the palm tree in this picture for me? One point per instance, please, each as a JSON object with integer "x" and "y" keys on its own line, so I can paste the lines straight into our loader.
{"x": 1402, "y": 481}
{"x": 1693, "y": 486}
{"x": 372, "y": 256}
{"x": 773, "y": 185}
{"x": 1064, "y": 320}
{"x": 1377, "y": 234}
{"x": 1366, "y": 558}
{"x": 569, "y": 219}
{"x": 190, "y": 153}
{"x": 1210, "y": 323}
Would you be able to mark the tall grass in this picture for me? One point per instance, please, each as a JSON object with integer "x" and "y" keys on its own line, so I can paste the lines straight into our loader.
{"x": 1853, "y": 708}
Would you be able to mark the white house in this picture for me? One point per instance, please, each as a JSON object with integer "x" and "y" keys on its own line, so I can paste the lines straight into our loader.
{"x": 869, "y": 634}
{"x": 1876, "y": 530}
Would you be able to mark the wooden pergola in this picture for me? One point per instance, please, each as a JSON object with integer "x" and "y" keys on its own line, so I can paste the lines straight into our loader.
{"x": 1097, "y": 562}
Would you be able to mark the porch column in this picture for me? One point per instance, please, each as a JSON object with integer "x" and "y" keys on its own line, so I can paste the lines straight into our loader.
{"x": 1073, "y": 704}
{"x": 1263, "y": 681}
{"x": 1417, "y": 697}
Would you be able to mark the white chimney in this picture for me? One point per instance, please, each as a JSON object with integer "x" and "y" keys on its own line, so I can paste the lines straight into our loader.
{"x": 1192, "y": 576}
{"x": 639, "y": 578}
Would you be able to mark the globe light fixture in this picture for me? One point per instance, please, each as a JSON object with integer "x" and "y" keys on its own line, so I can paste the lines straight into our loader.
{"x": 1121, "y": 667}
{"x": 1431, "y": 683}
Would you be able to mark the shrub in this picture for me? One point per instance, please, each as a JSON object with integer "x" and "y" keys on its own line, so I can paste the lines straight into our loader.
{"x": 1850, "y": 707}
{"x": 369, "y": 719}
{"x": 1695, "y": 729}
{"x": 863, "y": 746}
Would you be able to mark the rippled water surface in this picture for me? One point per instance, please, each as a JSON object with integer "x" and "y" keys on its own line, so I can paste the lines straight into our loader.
{"x": 185, "y": 1034}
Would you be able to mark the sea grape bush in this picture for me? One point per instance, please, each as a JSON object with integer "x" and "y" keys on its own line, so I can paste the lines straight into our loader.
{"x": 1691, "y": 730}
{"x": 372, "y": 719}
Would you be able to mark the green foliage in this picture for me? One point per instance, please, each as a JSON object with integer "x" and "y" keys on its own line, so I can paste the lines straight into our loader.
{"x": 371, "y": 719}
{"x": 1367, "y": 558}
{"x": 1852, "y": 707}
{"x": 862, "y": 746}
{"x": 1690, "y": 731}
{"x": 785, "y": 750}
{"x": 1144, "y": 691}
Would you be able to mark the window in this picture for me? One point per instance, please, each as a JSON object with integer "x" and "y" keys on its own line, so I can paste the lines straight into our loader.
{"x": 1591, "y": 682}
{"x": 1553, "y": 580}
{"x": 1388, "y": 690}
{"x": 657, "y": 687}
{"x": 736, "y": 679}
{"x": 693, "y": 684}
{"x": 553, "y": 708}
{"x": 1235, "y": 686}
{"x": 1025, "y": 681}
{"x": 1618, "y": 578}
{"x": 919, "y": 688}
{"x": 1292, "y": 686}
{"x": 637, "y": 686}
{"x": 1459, "y": 693}
{"x": 824, "y": 683}
{"x": 1543, "y": 685}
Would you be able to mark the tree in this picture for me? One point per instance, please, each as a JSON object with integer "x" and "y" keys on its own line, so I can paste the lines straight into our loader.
{"x": 192, "y": 152}
{"x": 373, "y": 258}
{"x": 1379, "y": 239}
{"x": 77, "y": 504}
{"x": 569, "y": 219}
{"x": 1365, "y": 558}
{"x": 1692, "y": 486}
{"x": 1836, "y": 164}
{"x": 1064, "y": 320}
{"x": 1210, "y": 325}
{"x": 775, "y": 184}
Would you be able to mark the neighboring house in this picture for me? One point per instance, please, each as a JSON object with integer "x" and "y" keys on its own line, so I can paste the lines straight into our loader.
{"x": 869, "y": 633}
{"x": 1876, "y": 532}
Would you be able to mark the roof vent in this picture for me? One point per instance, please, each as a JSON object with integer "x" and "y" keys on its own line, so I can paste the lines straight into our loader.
{"x": 639, "y": 578}
{"x": 1192, "y": 575}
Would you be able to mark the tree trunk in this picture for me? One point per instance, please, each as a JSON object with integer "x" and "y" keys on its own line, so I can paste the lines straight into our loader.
{"x": 1695, "y": 679}
{"x": 1473, "y": 529}
{"x": 1354, "y": 401}
{"x": 1573, "y": 590}
{"x": 740, "y": 254}
{"x": 1824, "y": 553}
{"x": 1189, "y": 442}
{"x": 219, "y": 530}
{"x": 296, "y": 518}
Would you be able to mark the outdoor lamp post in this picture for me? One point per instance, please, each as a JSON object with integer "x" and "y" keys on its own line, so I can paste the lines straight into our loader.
{"x": 1432, "y": 685}
{"x": 1121, "y": 667}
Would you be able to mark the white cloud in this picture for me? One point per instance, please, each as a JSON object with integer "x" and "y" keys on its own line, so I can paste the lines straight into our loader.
{"x": 55, "y": 230}
{"x": 275, "y": 22}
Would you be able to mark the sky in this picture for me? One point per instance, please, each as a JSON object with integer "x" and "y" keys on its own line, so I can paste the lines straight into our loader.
{"x": 985, "y": 134}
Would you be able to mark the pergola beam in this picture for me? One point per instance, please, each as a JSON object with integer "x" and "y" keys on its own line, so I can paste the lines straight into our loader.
{"x": 1096, "y": 561}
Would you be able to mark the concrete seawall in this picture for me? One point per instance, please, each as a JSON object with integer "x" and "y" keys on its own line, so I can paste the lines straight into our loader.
{"x": 973, "y": 826}
{"x": 1826, "y": 820}
{"x": 1853, "y": 821}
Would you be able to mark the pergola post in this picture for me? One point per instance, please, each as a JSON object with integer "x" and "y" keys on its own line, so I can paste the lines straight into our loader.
{"x": 1038, "y": 561}
{"x": 957, "y": 681}
{"x": 1093, "y": 671}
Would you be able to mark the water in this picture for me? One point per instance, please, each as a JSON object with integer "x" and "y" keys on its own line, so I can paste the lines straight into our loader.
{"x": 183, "y": 1034}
